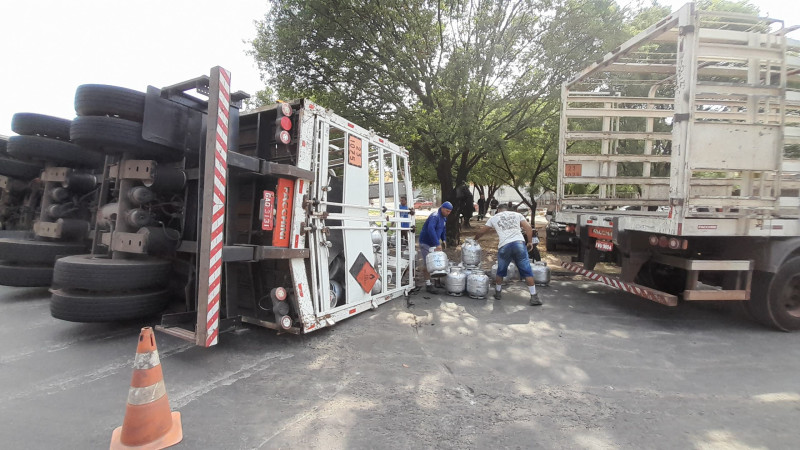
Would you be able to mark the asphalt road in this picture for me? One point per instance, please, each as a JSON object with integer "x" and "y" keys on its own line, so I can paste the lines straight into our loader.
{"x": 592, "y": 368}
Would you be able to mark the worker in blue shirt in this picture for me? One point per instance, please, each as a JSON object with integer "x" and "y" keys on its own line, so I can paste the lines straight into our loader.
{"x": 404, "y": 215}
{"x": 433, "y": 237}
{"x": 405, "y": 226}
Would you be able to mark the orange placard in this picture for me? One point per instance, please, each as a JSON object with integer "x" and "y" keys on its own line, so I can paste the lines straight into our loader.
{"x": 367, "y": 277}
{"x": 283, "y": 219}
{"x": 364, "y": 273}
{"x": 572, "y": 170}
{"x": 354, "y": 151}
{"x": 601, "y": 233}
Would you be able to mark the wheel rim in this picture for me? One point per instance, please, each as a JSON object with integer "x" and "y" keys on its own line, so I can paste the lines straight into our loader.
{"x": 790, "y": 297}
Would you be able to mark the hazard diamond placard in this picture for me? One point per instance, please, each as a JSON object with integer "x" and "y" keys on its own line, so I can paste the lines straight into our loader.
{"x": 364, "y": 273}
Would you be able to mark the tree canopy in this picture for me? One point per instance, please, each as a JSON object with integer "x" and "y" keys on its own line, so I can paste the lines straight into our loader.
{"x": 453, "y": 81}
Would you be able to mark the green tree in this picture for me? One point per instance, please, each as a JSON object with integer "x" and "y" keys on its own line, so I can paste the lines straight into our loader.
{"x": 452, "y": 81}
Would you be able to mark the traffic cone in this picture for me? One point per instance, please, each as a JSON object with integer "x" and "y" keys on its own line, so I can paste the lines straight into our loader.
{"x": 148, "y": 422}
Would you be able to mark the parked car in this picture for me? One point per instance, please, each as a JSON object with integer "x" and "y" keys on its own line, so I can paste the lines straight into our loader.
{"x": 422, "y": 204}
{"x": 559, "y": 233}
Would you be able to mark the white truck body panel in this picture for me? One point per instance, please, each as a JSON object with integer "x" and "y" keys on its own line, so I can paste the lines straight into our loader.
{"x": 699, "y": 131}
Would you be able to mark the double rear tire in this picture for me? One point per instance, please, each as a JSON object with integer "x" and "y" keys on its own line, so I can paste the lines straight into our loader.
{"x": 90, "y": 289}
{"x": 29, "y": 263}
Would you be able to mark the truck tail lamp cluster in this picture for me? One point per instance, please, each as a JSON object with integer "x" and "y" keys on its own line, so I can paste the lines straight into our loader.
{"x": 570, "y": 229}
{"x": 281, "y": 307}
{"x": 283, "y": 124}
{"x": 672, "y": 243}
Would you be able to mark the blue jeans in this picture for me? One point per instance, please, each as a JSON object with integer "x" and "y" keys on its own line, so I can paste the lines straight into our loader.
{"x": 517, "y": 252}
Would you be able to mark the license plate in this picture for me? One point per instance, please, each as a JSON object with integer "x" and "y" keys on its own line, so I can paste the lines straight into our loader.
{"x": 604, "y": 246}
{"x": 267, "y": 222}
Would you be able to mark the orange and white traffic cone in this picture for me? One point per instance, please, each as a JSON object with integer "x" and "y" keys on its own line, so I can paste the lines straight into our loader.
{"x": 148, "y": 422}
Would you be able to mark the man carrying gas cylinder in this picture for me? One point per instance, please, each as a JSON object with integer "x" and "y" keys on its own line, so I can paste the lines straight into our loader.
{"x": 433, "y": 236}
{"x": 511, "y": 247}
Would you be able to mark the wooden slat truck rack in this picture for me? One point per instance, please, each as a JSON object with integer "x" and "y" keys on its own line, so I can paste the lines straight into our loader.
{"x": 679, "y": 160}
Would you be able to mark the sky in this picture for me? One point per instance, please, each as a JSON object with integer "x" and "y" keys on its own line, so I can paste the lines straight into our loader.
{"x": 50, "y": 47}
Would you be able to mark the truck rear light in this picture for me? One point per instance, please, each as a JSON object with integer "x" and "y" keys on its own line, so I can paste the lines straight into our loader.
{"x": 570, "y": 228}
{"x": 286, "y": 322}
{"x": 286, "y": 109}
{"x": 663, "y": 241}
{"x": 653, "y": 240}
{"x": 285, "y": 137}
{"x": 286, "y": 123}
{"x": 685, "y": 244}
{"x": 674, "y": 243}
{"x": 280, "y": 293}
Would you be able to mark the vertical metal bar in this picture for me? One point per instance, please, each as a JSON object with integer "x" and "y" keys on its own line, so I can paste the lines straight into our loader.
{"x": 411, "y": 235}
{"x": 212, "y": 222}
{"x": 685, "y": 84}
{"x": 562, "y": 146}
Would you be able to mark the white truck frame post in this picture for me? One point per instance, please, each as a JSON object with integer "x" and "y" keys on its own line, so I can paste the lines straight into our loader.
{"x": 693, "y": 127}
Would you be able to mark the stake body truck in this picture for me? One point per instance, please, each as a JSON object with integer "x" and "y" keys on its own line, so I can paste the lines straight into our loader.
{"x": 285, "y": 217}
{"x": 679, "y": 160}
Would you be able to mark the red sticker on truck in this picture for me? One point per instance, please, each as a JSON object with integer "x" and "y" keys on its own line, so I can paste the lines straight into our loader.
{"x": 269, "y": 215}
{"x": 573, "y": 170}
{"x": 601, "y": 233}
{"x": 283, "y": 222}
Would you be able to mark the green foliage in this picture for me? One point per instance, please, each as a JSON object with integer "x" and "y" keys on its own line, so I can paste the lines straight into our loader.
{"x": 263, "y": 97}
{"x": 454, "y": 82}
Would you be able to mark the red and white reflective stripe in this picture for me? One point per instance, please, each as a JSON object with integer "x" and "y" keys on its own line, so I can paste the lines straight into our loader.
{"x": 635, "y": 289}
{"x": 218, "y": 217}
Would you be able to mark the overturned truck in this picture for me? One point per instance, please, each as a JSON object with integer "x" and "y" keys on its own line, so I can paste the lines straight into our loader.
{"x": 679, "y": 160}
{"x": 286, "y": 217}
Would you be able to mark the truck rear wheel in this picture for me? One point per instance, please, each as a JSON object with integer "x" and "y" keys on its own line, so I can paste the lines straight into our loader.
{"x": 43, "y": 252}
{"x": 114, "y": 135}
{"x": 37, "y": 147}
{"x": 32, "y": 124}
{"x": 25, "y": 276}
{"x": 80, "y": 306}
{"x": 19, "y": 169}
{"x": 104, "y": 100}
{"x": 775, "y": 300}
{"x": 104, "y": 274}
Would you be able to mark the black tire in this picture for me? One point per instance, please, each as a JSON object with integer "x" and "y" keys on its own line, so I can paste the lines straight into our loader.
{"x": 19, "y": 169}
{"x": 550, "y": 244}
{"x": 103, "y": 100}
{"x": 41, "y": 252}
{"x": 32, "y": 124}
{"x": 25, "y": 276}
{"x": 114, "y": 135}
{"x": 775, "y": 299}
{"x": 60, "y": 152}
{"x": 76, "y": 306}
{"x": 103, "y": 274}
